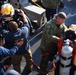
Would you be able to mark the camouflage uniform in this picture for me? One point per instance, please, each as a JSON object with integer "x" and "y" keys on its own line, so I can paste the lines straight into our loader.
{"x": 51, "y": 7}
{"x": 51, "y": 3}
{"x": 49, "y": 40}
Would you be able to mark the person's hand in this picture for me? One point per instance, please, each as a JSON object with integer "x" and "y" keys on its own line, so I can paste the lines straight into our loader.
{"x": 23, "y": 15}
{"x": 19, "y": 43}
{"x": 21, "y": 12}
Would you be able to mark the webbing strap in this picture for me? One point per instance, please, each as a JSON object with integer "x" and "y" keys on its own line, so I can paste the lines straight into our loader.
{"x": 62, "y": 65}
{"x": 65, "y": 58}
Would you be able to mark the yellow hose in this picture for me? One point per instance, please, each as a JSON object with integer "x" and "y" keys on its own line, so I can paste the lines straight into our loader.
{"x": 36, "y": 4}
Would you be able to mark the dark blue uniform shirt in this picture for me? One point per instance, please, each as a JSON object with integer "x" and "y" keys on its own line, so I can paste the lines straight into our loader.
{"x": 19, "y": 34}
{"x": 6, "y": 52}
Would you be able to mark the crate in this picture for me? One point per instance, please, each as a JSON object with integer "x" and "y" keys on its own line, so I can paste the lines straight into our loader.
{"x": 35, "y": 14}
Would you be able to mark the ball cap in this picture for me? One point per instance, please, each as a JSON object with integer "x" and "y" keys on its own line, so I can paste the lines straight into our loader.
{"x": 62, "y": 15}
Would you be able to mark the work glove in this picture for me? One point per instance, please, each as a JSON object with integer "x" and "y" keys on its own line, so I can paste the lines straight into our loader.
{"x": 57, "y": 58}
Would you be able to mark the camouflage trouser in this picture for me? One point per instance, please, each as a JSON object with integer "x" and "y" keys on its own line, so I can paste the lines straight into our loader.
{"x": 44, "y": 63}
{"x": 46, "y": 59}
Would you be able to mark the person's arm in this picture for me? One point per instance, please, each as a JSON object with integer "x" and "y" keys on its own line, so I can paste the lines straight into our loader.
{"x": 48, "y": 33}
{"x": 24, "y": 17}
{"x": 12, "y": 51}
{"x": 8, "y": 52}
{"x": 57, "y": 39}
{"x": 4, "y": 32}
